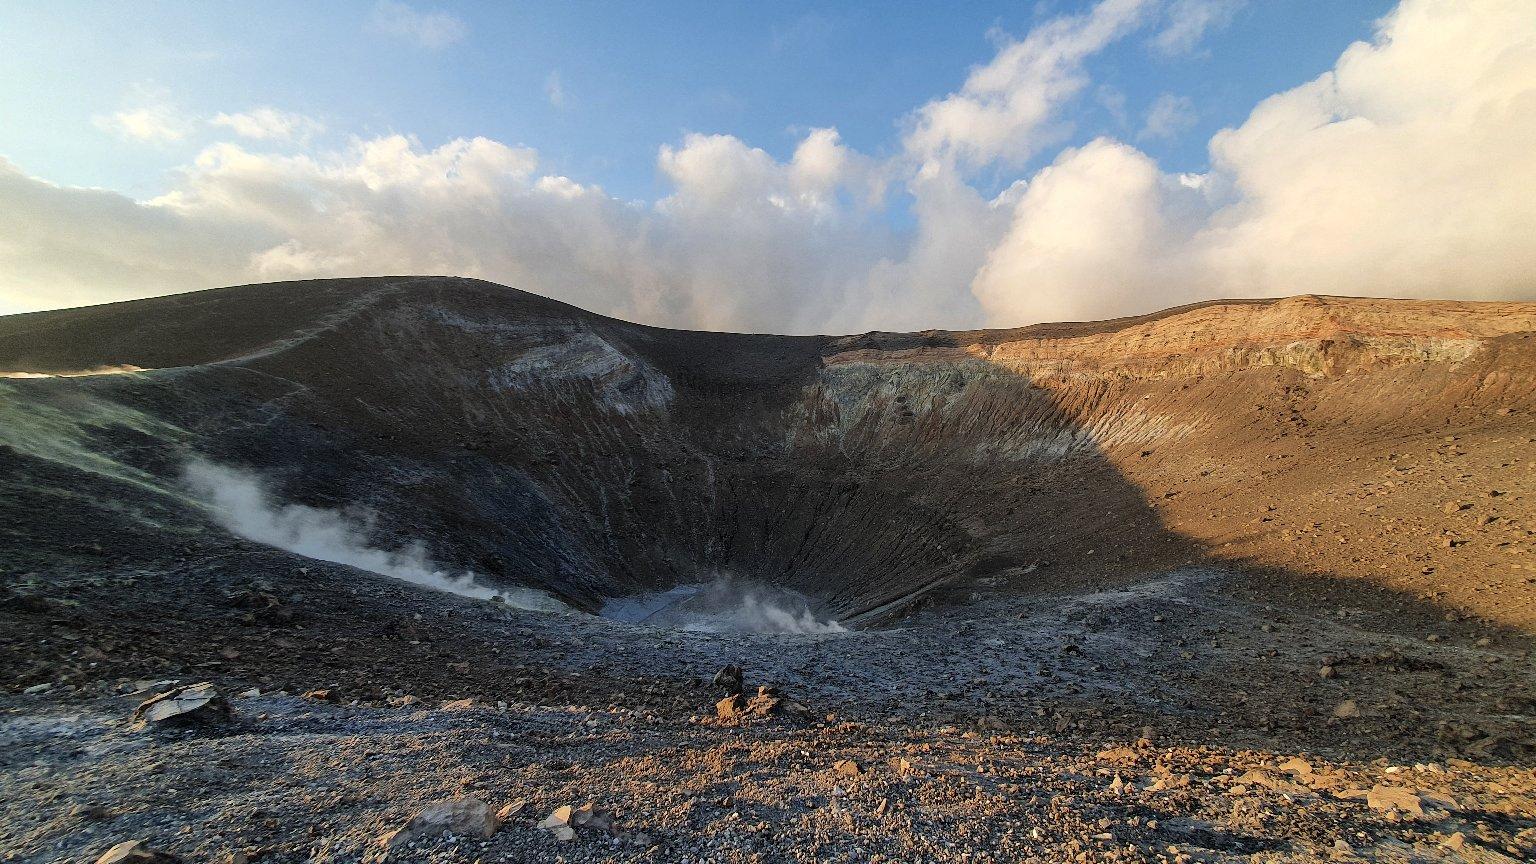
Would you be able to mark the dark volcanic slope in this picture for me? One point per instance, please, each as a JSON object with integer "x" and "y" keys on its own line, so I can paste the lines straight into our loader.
{"x": 542, "y": 445}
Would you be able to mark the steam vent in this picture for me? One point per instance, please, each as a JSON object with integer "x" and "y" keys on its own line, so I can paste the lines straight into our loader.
{"x": 433, "y": 569}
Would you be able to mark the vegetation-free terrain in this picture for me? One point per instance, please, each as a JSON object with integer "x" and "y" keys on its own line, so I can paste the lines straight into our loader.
{"x": 1239, "y": 581}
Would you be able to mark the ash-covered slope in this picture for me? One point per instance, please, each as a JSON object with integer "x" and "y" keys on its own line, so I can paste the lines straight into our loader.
{"x": 544, "y": 446}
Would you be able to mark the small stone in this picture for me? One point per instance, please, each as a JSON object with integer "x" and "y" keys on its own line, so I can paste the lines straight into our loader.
{"x": 1346, "y": 710}
{"x": 729, "y": 678}
{"x": 509, "y": 810}
{"x": 562, "y": 821}
{"x": 1394, "y": 799}
{"x": 1297, "y": 767}
{"x": 36, "y": 689}
{"x": 135, "y": 852}
{"x": 730, "y": 707}
{"x": 848, "y": 768}
{"x": 89, "y": 811}
{"x": 466, "y": 816}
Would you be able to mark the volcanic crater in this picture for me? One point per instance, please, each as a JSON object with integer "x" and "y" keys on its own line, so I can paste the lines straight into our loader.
{"x": 1213, "y": 525}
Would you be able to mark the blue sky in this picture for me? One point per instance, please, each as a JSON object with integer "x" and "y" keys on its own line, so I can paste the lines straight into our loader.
{"x": 789, "y": 167}
{"x": 632, "y": 76}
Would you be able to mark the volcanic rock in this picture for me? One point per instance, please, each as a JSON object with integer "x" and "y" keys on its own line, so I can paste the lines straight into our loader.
{"x": 731, "y": 707}
{"x": 135, "y": 852}
{"x": 848, "y": 768}
{"x": 730, "y": 679}
{"x": 194, "y": 703}
{"x": 466, "y": 816}
{"x": 1395, "y": 799}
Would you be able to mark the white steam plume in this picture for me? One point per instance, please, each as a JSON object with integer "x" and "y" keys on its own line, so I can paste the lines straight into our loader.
{"x": 242, "y": 504}
{"x": 725, "y": 605}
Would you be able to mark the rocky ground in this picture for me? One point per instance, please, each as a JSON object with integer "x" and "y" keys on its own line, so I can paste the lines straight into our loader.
{"x": 1182, "y": 718}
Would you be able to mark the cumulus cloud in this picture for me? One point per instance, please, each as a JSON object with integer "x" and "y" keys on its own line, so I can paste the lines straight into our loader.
{"x": 1086, "y": 236}
{"x": 1005, "y": 108}
{"x": 789, "y": 236}
{"x": 1405, "y": 170}
{"x": 431, "y": 30}
{"x": 269, "y": 124}
{"x": 743, "y": 241}
{"x": 1187, "y": 21}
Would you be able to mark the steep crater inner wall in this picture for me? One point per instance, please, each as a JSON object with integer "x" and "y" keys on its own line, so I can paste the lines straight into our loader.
{"x": 541, "y": 446}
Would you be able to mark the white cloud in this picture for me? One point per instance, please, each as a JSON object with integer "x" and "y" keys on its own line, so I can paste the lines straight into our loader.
{"x": 1168, "y": 116}
{"x": 432, "y": 30}
{"x": 743, "y": 241}
{"x": 1187, "y": 22}
{"x": 1004, "y": 109}
{"x": 1404, "y": 171}
{"x": 269, "y": 124}
{"x": 789, "y": 237}
{"x": 147, "y": 116}
{"x": 554, "y": 89}
{"x": 1088, "y": 235}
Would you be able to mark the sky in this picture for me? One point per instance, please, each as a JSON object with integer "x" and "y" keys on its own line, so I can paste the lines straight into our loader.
{"x": 787, "y": 167}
